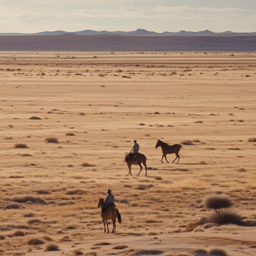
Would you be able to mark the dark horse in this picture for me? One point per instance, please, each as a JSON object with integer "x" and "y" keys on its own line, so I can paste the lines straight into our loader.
{"x": 167, "y": 149}
{"x": 110, "y": 214}
{"x": 138, "y": 159}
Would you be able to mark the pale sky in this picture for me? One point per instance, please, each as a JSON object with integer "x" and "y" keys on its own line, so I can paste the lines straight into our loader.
{"x": 29, "y": 16}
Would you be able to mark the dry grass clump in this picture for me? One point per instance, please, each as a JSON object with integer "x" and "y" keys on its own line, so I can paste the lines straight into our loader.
{"x": 187, "y": 142}
{"x": 70, "y": 134}
{"x": 252, "y": 139}
{"x": 233, "y": 148}
{"x": 216, "y": 202}
{"x": 34, "y": 221}
{"x": 26, "y": 198}
{"x": 75, "y": 191}
{"x": 20, "y": 145}
{"x": 47, "y": 238}
{"x": 226, "y": 217}
{"x": 85, "y": 164}
{"x": 29, "y": 215}
{"x": 35, "y": 241}
{"x": 2, "y": 237}
{"x": 18, "y": 233}
{"x": 43, "y": 191}
{"x": 70, "y": 165}
{"x": 51, "y": 140}
{"x": 120, "y": 247}
{"x": 218, "y": 252}
{"x": 25, "y": 155}
{"x": 77, "y": 252}
{"x": 102, "y": 243}
{"x": 198, "y": 122}
{"x": 202, "y": 162}
{"x": 51, "y": 247}
{"x": 210, "y": 148}
{"x": 35, "y": 118}
{"x": 8, "y": 138}
{"x": 12, "y": 206}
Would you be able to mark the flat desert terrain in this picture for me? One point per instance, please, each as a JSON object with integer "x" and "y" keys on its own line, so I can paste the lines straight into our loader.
{"x": 95, "y": 105}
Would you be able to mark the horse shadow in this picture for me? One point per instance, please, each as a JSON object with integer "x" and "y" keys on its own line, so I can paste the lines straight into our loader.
{"x": 168, "y": 169}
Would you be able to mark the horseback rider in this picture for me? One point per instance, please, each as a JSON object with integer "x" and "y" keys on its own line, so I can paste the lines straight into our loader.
{"x": 109, "y": 200}
{"x": 135, "y": 150}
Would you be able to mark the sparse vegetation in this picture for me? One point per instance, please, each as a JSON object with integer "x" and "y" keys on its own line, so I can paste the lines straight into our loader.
{"x": 12, "y": 206}
{"x": 26, "y": 198}
{"x": 52, "y": 247}
{"x": 85, "y": 164}
{"x": 35, "y": 241}
{"x": 224, "y": 217}
{"x": 26, "y": 155}
{"x": 252, "y": 139}
{"x": 18, "y": 233}
{"x": 20, "y": 145}
{"x": 217, "y": 202}
{"x": 35, "y": 118}
{"x": 187, "y": 142}
{"x": 218, "y": 252}
{"x": 75, "y": 191}
{"x": 78, "y": 252}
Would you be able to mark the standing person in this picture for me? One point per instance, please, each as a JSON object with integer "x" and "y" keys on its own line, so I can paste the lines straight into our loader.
{"x": 135, "y": 150}
{"x": 109, "y": 200}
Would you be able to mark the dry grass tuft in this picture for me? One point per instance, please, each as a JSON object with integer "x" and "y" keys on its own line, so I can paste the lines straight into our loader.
{"x": 85, "y": 164}
{"x": 12, "y": 206}
{"x": 52, "y": 140}
{"x": 35, "y": 118}
{"x": 35, "y": 241}
{"x": 252, "y": 139}
{"x": 2, "y": 237}
{"x": 77, "y": 252}
{"x": 210, "y": 148}
{"x": 34, "y": 221}
{"x": 102, "y": 243}
{"x": 25, "y": 155}
{"x": 29, "y": 215}
{"x": 20, "y": 145}
{"x": 70, "y": 134}
{"x": 120, "y": 247}
{"x": 26, "y": 198}
{"x": 43, "y": 191}
{"x": 8, "y": 138}
{"x": 187, "y": 142}
{"x": 70, "y": 165}
{"x": 47, "y": 238}
{"x": 226, "y": 217}
{"x": 218, "y": 252}
{"x": 75, "y": 191}
{"x": 202, "y": 162}
{"x": 198, "y": 122}
{"x": 233, "y": 148}
{"x": 51, "y": 247}
{"x": 216, "y": 201}
{"x": 18, "y": 233}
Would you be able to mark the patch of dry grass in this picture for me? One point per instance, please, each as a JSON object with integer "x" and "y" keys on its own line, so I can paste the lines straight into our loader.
{"x": 12, "y": 206}
{"x": 18, "y": 233}
{"x": 35, "y": 118}
{"x": 187, "y": 142}
{"x": 26, "y": 155}
{"x": 218, "y": 252}
{"x": 51, "y": 140}
{"x": 252, "y": 139}
{"x": 226, "y": 217}
{"x": 35, "y": 241}
{"x": 75, "y": 191}
{"x": 120, "y": 247}
{"x": 51, "y": 247}
{"x": 70, "y": 134}
{"x": 78, "y": 252}
{"x": 26, "y": 198}
{"x": 86, "y": 164}
{"x": 20, "y": 145}
{"x": 216, "y": 201}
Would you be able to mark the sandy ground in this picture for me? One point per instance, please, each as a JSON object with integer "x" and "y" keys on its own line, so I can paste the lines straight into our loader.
{"x": 106, "y": 102}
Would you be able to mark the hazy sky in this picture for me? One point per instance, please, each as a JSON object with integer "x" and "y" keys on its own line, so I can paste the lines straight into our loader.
{"x": 157, "y": 15}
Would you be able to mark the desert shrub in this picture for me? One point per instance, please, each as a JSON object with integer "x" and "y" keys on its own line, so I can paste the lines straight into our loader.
{"x": 78, "y": 252}
{"x": 210, "y": 148}
{"x": 233, "y": 148}
{"x": 12, "y": 206}
{"x": 187, "y": 142}
{"x": 33, "y": 221}
{"x": 218, "y": 252}
{"x": 51, "y": 140}
{"x": 226, "y": 217}
{"x": 252, "y": 139}
{"x": 51, "y": 247}
{"x": 71, "y": 226}
{"x": 35, "y": 241}
{"x": 82, "y": 114}
{"x": 198, "y": 122}
{"x": 70, "y": 165}
{"x": 35, "y": 118}
{"x": 18, "y": 233}
{"x": 102, "y": 243}
{"x": 8, "y": 138}
{"x": 202, "y": 162}
{"x": 26, "y": 198}
{"x": 2, "y": 237}
{"x": 20, "y": 145}
{"x": 70, "y": 134}
{"x": 216, "y": 202}
{"x": 85, "y": 164}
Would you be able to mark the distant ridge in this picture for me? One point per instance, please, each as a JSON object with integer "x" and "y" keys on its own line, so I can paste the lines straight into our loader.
{"x": 138, "y": 32}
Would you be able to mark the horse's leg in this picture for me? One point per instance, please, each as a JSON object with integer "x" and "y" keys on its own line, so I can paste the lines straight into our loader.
{"x": 129, "y": 170}
{"x": 104, "y": 225}
{"x": 140, "y": 168}
{"x": 177, "y": 156}
{"x": 166, "y": 158}
{"x": 162, "y": 158}
{"x": 107, "y": 225}
{"x": 144, "y": 163}
{"x": 114, "y": 224}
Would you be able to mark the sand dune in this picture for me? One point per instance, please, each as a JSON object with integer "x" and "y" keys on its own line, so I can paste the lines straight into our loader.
{"x": 67, "y": 120}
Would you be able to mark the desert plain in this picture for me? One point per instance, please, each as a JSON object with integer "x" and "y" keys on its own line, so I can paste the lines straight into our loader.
{"x": 95, "y": 105}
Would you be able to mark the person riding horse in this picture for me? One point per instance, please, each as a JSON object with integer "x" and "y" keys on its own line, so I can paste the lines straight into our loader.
{"x": 134, "y": 151}
{"x": 109, "y": 200}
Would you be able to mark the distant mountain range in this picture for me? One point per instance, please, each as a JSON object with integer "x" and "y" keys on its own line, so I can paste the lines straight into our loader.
{"x": 138, "y": 32}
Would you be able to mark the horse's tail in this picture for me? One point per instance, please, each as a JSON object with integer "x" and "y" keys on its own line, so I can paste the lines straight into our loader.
{"x": 119, "y": 217}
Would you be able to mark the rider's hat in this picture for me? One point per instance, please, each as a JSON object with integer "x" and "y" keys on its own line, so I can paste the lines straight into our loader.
{"x": 109, "y": 190}
{"x": 135, "y": 141}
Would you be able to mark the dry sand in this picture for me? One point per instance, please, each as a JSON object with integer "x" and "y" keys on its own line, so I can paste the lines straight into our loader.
{"x": 206, "y": 98}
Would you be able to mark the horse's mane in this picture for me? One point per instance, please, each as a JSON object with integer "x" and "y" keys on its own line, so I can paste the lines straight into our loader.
{"x": 165, "y": 144}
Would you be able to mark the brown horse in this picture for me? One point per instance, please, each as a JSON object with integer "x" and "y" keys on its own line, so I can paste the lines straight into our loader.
{"x": 110, "y": 214}
{"x": 138, "y": 159}
{"x": 167, "y": 149}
